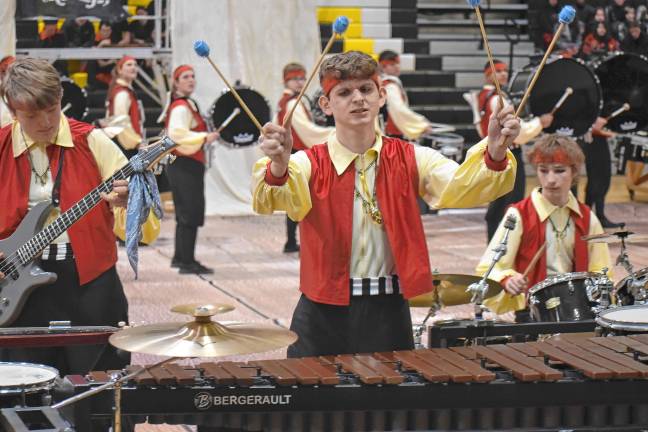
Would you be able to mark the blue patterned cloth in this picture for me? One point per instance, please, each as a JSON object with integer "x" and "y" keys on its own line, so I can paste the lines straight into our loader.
{"x": 143, "y": 196}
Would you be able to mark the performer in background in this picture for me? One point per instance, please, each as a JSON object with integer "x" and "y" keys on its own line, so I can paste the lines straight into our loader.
{"x": 550, "y": 214}
{"x": 487, "y": 101}
{"x": 122, "y": 100}
{"x": 41, "y": 148}
{"x": 186, "y": 174}
{"x": 305, "y": 133}
{"x": 355, "y": 198}
{"x": 5, "y": 115}
{"x": 401, "y": 121}
{"x": 598, "y": 165}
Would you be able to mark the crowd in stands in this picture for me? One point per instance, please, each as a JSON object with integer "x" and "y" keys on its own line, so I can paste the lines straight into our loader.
{"x": 601, "y": 26}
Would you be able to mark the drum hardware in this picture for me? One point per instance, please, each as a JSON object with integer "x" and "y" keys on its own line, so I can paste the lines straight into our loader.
{"x": 568, "y": 92}
{"x": 568, "y": 297}
{"x": 447, "y": 143}
{"x": 451, "y": 290}
{"x": 26, "y": 384}
{"x": 623, "y": 320}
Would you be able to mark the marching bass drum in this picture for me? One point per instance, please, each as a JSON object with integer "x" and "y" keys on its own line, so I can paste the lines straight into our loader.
{"x": 624, "y": 79}
{"x": 241, "y": 131}
{"x": 74, "y": 102}
{"x": 576, "y": 116}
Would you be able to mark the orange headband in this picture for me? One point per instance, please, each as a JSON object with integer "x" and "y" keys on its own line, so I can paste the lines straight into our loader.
{"x": 297, "y": 73}
{"x": 387, "y": 62}
{"x": 123, "y": 60}
{"x": 499, "y": 67}
{"x": 559, "y": 156}
{"x": 180, "y": 69}
{"x": 329, "y": 82}
{"x": 5, "y": 63}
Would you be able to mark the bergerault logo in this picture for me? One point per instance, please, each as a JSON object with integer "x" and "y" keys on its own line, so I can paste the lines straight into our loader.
{"x": 204, "y": 400}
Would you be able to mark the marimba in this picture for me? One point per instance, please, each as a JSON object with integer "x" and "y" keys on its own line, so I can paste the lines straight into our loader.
{"x": 594, "y": 383}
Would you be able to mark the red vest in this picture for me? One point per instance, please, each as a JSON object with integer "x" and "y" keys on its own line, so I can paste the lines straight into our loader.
{"x": 298, "y": 144}
{"x": 533, "y": 238}
{"x": 133, "y": 112}
{"x": 390, "y": 127}
{"x": 485, "y": 108}
{"x": 91, "y": 236}
{"x": 326, "y": 231}
{"x": 201, "y": 126}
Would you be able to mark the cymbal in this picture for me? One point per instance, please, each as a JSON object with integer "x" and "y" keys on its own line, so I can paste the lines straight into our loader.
{"x": 202, "y": 337}
{"x": 202, "y": 309}
{"x": 616, "y": 237}
{"x": 451, "y": 290}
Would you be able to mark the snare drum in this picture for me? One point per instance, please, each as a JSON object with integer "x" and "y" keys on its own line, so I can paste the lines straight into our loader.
{"x": 633, "y": 289}
{"x": 624, "y": 320}
{"x": 565, "y": 297}
{"x": 26, "y": 384}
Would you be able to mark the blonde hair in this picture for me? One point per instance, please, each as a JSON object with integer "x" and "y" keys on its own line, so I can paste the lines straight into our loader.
{"x": 554, "y": 148}
{"x": 31, "y": 82}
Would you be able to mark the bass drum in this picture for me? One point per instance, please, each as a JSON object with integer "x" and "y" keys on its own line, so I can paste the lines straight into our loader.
{"x": 624, "y": 79}
{"x": 241, "y": 131}
{"x": 576, "y": 116}
{"x": 74, "y": 102}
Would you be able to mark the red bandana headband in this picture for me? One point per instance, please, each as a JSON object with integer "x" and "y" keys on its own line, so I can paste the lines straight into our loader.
{"x": 5, "y": 63}
{"x": 298, "y": 73}
{"x": 123, "y": 60}
{"x": 329, "y": 82}
{"x": 387, "y": 62}
{"x": 559, "y": 156}
{"x": 499, "y": 67}
{"x": 180, "y": 69}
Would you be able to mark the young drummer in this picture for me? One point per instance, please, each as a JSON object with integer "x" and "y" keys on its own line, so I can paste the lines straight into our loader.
{"x": 552, "y": 215}
{"x": 122, "y": 100}
{"x": 305, "y": 133}
{"x": 363, "y": 250}
{"x": 401, "y": 121}
{"x": 39, "y": 149}
{"x": 186, "y": 174}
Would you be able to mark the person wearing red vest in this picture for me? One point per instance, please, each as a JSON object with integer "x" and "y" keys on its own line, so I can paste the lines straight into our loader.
{"x": 39, "y": 149}
{"x": 305, "y": 133}
{"x": 401, "y": 121}
{"x": 363, "y": 251}
{"x": 552, "y": 215}
{"x": 122, "y": 100}
{"x": 186, "y": 126}
{"x": 487, "y": 100}
{"x": 5, "y": 115}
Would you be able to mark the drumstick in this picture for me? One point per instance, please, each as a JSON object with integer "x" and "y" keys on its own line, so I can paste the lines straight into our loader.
{"x": 475, "y": 4}
{"x": 202, "y": 49}
{"x": 566, "y": 16}
{"x": 534, "y": 260}
{"x": 229, "y": 119}
{"x": 625, "y": 107}
{"x": 568, "y": 92}
{"x": 339, "y": 26}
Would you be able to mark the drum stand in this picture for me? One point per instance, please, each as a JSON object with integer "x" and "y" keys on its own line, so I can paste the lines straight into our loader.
{"x": 635, "y": 286}
{"x": 420, "y": 328}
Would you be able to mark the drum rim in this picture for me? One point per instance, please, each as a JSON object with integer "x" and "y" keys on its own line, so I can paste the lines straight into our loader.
{"x": 30, "y": 388}
{"x": 638, "y": 274}
{"x": 621, "y": 325}
{"x": 563, "y": 277}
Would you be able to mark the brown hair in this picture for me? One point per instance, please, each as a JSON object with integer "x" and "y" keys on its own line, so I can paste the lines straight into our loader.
{"x": 556, "y": 149}
{"x": 291, "y": 67}
{"x": 32, "y": 82}
{"x": 348, "y": 65}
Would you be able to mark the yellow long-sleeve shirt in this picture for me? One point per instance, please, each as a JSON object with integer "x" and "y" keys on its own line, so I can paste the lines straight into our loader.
{"x": 309, "y": 132}
{"x": 128, "y": 138}
{"x": 407, "y": 121}
{"x": 559, "y": 251}
{"x": 181, "y": 121}
{"x": 442, "y": 183}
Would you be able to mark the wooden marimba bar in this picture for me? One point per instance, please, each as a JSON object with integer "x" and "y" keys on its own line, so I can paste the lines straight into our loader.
{"x": 559, "y": 383}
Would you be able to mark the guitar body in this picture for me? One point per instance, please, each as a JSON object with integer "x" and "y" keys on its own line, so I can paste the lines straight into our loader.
{"x": 19, "y": 283}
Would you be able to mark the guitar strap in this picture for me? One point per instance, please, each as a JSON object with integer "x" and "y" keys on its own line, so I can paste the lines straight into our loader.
{"x": 56, "y": 189}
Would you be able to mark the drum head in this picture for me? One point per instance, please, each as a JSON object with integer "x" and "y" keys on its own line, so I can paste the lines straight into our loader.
{"x": 624, "y": 79}
{"x": 18, "y": 377}
{"x": 240, "y": 132}
{"x": 75, "y": 100}
{"x": 577, "y": 114}
{"x": 626, "y": 318}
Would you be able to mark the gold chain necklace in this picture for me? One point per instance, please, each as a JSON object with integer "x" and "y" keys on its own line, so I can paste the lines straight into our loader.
{"x": 41, "y": 177}
{"x": 560, "y": 234}
{"x": 370, "y": 205}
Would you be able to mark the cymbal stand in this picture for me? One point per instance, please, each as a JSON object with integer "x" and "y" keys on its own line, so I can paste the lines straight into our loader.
{"x": 602, "y": 290}
{"x": 420, "y": 328}
{"x": 635, "y": 286}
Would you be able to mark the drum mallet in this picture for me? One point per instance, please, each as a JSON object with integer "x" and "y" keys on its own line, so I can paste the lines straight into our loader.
{"x": 534, "y": 260}
{"x": 625, "y": 107}
{"x": 568, "y": 92}
{"x": 229, "y": 119}
{"x": 340, "y": 25}
{"x": 475, "y": 5}
{"x": 202, "y": 49}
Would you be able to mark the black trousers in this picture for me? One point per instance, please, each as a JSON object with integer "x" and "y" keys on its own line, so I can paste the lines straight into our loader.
{"x": 598, "y": 165}
{"x": 291, "y": 231}
{"x": 497, "y": 209}
{"x": 368, "y": 324}
{"x": 187, "y": 181}
{"x": 101, "y": 302}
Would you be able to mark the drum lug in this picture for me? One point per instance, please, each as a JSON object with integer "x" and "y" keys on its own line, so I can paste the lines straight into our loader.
{"x": 534, "y": 300}
{"x": 571, "y": 287}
